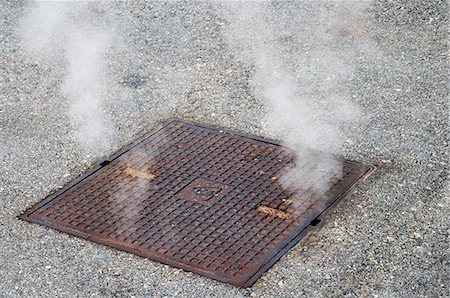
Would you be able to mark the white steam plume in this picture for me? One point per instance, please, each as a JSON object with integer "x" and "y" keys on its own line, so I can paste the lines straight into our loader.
{"x": 298, "y": 88}
{"x": 55, "y": 32}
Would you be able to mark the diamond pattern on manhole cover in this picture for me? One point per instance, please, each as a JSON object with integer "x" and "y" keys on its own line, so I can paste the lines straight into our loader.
{"x": 194, "y": 197}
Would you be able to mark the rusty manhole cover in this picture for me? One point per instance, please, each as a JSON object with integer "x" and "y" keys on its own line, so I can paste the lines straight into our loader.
{"x": 194, "y": 197}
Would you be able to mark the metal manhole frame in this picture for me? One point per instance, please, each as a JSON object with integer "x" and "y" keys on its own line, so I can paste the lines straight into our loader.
{"x": 299, "y": 233}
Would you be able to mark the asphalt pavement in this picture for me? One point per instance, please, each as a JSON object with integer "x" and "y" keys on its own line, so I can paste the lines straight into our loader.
{"x": 389, "y": 239}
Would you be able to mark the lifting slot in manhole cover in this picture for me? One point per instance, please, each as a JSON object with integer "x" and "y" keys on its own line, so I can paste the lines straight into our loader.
{"x": 194, "y": 197}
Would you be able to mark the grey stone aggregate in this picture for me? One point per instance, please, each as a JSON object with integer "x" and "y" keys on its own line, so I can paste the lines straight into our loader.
{"x": 389, "y": 239}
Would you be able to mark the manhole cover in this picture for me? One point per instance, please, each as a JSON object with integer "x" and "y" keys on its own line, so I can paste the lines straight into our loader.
{"x": 194, "y": 197}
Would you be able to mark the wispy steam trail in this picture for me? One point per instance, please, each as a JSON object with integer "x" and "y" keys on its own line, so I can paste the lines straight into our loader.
{"x": 84, "y": 85}
{"x": 56, "y": 30}
{"x": 298, "y": 89}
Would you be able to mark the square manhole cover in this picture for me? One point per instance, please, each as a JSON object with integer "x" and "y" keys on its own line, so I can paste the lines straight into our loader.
{"x": 194, "y": 197}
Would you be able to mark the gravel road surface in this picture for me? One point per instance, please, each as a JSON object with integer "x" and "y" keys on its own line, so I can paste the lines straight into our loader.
{"x": 389, "y": 239}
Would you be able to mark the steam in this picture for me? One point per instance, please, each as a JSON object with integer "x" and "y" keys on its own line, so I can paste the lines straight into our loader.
{"x": 56, "y": 31}
{"x": 299, "y": 89}
{"x": 297, "y": 86}
{"x": 84, "y": 85}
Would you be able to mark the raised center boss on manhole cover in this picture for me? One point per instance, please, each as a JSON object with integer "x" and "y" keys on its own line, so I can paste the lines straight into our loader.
{"x": 194, "y": 197}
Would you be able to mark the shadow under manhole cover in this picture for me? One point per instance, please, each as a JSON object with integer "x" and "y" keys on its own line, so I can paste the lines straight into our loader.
{"x": 194, "y": 197}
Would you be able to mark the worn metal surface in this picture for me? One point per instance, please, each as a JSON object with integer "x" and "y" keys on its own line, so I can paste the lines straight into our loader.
{"x": 195, "y": 197}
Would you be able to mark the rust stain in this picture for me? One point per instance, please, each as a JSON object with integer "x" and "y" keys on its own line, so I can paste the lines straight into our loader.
{"x": 287, "y": 201}
{"x": 140, "y": 174}
{"x": 274, "y": 212}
